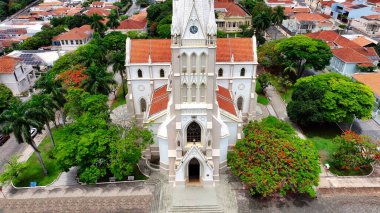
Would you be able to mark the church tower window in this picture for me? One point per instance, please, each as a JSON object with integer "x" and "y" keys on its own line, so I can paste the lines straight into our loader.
{"x": 162, "y": 73}
{"x": 193, "y": 62}
{"x": 193, "y": 132}
{"x": 184, "y": 92}
{"x": 240, "y": 103}
{"x": 242, "y": 72}
{"x": 184, "y": 63}
{"x": 203, "y": 93}
{"x": 139, "y": 73}
{"x": 220, "y": 72}
{"x": 203, "y": 63}
{"x": 193, "y": 92}
{"x": 142, "y": 105}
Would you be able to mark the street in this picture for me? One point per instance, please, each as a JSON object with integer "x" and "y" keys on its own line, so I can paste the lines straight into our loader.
{"x": 133, "y": 9}
{"x": 8, "y": 149}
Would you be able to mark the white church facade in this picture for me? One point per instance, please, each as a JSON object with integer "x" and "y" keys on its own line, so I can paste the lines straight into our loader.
{"x": 194, "y": 91}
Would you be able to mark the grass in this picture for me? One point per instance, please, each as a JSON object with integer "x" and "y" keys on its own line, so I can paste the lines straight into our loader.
{"x": 33, "y": 171}
{"x": 322, "y": 137}
{"x": 286, "y": 94}
{"x": 120, "y": 99}
{"x": 262, "y": 100}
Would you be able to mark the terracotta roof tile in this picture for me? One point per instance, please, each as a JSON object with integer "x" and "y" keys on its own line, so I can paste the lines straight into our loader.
{"x": 350, "y": 55}
{"x": 159, "y": 101}
{"x": 280, "y": 1}
{"x": 130, "y": 24}
{"x": 80, "y": 33}
{"x": 8, "y": 64}
{"x": 292, "y": 10}
{"x": 99, "y": 11}
{"x": 372, "y": 17}
{"x": 309, "y": 17}
{"x": 232, "y": 8}
{"x": 225, "y": 102}
{"x": 240, "y": 48}
{"x": 370, "y": 79}
{"x": 362, "y": 41}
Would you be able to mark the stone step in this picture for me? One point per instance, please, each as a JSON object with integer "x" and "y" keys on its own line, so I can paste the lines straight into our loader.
{"x": 201, "y": 208}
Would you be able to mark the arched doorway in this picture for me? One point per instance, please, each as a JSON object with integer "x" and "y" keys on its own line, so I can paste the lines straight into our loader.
{"x": 194, "y": 170}
{"x": 193, "y": 133}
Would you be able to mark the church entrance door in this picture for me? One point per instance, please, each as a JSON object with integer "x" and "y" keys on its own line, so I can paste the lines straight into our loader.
{"x": 194, "y": 170}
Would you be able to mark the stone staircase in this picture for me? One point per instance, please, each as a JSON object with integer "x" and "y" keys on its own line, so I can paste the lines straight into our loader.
{"x": 196, "y": 209}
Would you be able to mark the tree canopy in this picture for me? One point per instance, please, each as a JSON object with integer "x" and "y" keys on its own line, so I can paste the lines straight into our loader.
{"x": 6, "y": 97}
{"x": 303, "y": 52}
{"x": 42, "y": 38}
{"x": 272, "y": 160}
{"x": 329, "y": 98}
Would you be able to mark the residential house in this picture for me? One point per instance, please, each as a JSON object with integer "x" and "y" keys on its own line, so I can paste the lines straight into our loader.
{"x": 16, "y": 76}
{"x": 348, "y": 11}
{"x": 290, "y": 11}
{"x": 348, "y": 57}
{"x": 230, "y": 16}
{"x": 301, "y": 23}
{"x": 74, "y": 38}
{"x": 361, "y": 40}
{"x": 373, "y": 81}
{"x": 99, "y": 11}
{"x": 137, "y": 22}
{"x": 369, "y": 25}
{"x": 282, "y": 3}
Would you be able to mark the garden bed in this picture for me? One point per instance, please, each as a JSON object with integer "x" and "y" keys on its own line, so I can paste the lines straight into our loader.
{"x": 119, "y": 99}
{"x": 360, "y": 172}
{"x": 138, "y": 175}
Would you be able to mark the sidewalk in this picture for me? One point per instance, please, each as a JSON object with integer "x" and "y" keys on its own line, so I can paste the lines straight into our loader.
{"x": 28, "y": 151}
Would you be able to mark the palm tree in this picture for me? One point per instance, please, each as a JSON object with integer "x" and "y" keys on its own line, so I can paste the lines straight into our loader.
{"x": 18, "y": 119}
{"x": 98, "y": 81}
{"x": 97, "y": 25}
{"x": 48, "y": 85}
{"x": 261, "y": 22}
{"x": 278, "y": 16}
{"x": 113, "y": 20}
{"x": 43, "y": 107}
{"x": 118, "y": 67}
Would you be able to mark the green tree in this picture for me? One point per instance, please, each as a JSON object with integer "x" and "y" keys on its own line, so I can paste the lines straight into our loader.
{"x": 329, "y": 98}
{"x": 6, "y": 97}
{"x": 98, "y": 81}
{"x": 12, "y": 170}
{"x": 269, "y": 55}
{"x": 43, "y": 108}
{"x": 304, "y": 52}
{"x": 278, "y": 16}
{"x": 126, "y": 152}
{"x": 354, "y": 152}
{"x": 17, "y": 119}
{"x": 272, "y": 160}
{"x": 97, "y": 25}
{"x": 113, "y": 20}
{"x": 119, "y": 67}
{"x": 40, "y": 39}
{"x": 264, "y": 80}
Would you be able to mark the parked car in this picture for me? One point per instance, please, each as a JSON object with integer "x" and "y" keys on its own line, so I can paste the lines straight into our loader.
{"x": 33, "y": 132}
{"x": 3, "y": 139}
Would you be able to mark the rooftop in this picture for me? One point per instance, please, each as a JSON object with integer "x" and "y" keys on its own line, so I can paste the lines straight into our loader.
{"x": 230, "y": 9}
{"x": 370, "y": 79}
{"x": 159, "y": 101}
{"x": 8, "y": 64}
{"x": 78, "y": 33}
{"x": 350, "y": 56}
{"x": 99, "y": 11}
{"x": 310, "y": 17}
{"x": 225, "y": 102}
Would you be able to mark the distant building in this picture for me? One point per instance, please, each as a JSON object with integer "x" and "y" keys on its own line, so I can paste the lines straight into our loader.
{"x": 137, "y": 22}
{"x": 290, "y": 11}
{"x": 348, "y": 56}
{"x": 347, "y": 11}
{"x": 301, "y": 23}
{"x": 369, "y": 25}
{"x": 99, "y": 11}
{"x": 282, "y": 3}
{"x": 17, "y": 77}
{"x": 230, "y": 16}
{"x": 74, "y": 38}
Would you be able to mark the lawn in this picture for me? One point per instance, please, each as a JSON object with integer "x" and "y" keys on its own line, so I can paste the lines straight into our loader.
{"x": 120, "y": 99}
{"x": 286, "y": 94}
{"x": 321, "y": 136}
{"x": 262, "y": 100}
{"x": 33, "y": 171}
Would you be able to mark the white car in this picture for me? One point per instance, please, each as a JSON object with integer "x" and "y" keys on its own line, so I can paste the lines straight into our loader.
{"x": 33, "y": 132}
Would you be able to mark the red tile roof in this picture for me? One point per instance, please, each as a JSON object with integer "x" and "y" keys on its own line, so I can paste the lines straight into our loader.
{"x": 349, "y": 55}
{"x": 8, "y": 64}
{"x": 8, "y": 42}
{"x": 333, "y": 39}
{"x": 99, "y": 11}
{"x": 225, "y": 102}
{"x": 293, "y": 10}
{"x": 372, "y": 17}
{"x": 159, "y": 50}
{"x": 233, "y": 9}
{"x": 159, "y": 101}
{"x": 309, "y": 17}
{"x": 80, "y": 33}
{"x": 130, "y": 24}
{"x": 280, "y": 1}
{"x": 362, "y": 41}
{"x": 370, "y": 79}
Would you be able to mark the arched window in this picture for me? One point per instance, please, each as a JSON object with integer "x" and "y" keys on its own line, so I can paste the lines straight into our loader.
{"x": 242, "y": 72}
{"x": 142, "y": 105}
{"x": 240, "y": 103}
{"x": 193, "y": 62}
{"x": 203, "y": 93}
{"x": 184, "y": 92}
{"x": 162, "y": 73}
{"x": 220, "y": 72}
{"x": 193, "y": 92}
{"x": 139, "y": 73}
{"x": 203, "y": 63}
{"x": 193, "y": 132}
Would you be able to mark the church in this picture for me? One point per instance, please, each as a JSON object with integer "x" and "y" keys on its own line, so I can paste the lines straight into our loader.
{"x": 194, "y": 91}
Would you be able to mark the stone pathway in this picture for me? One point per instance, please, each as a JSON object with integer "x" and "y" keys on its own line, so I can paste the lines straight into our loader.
{"x": 67, "y": 178}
